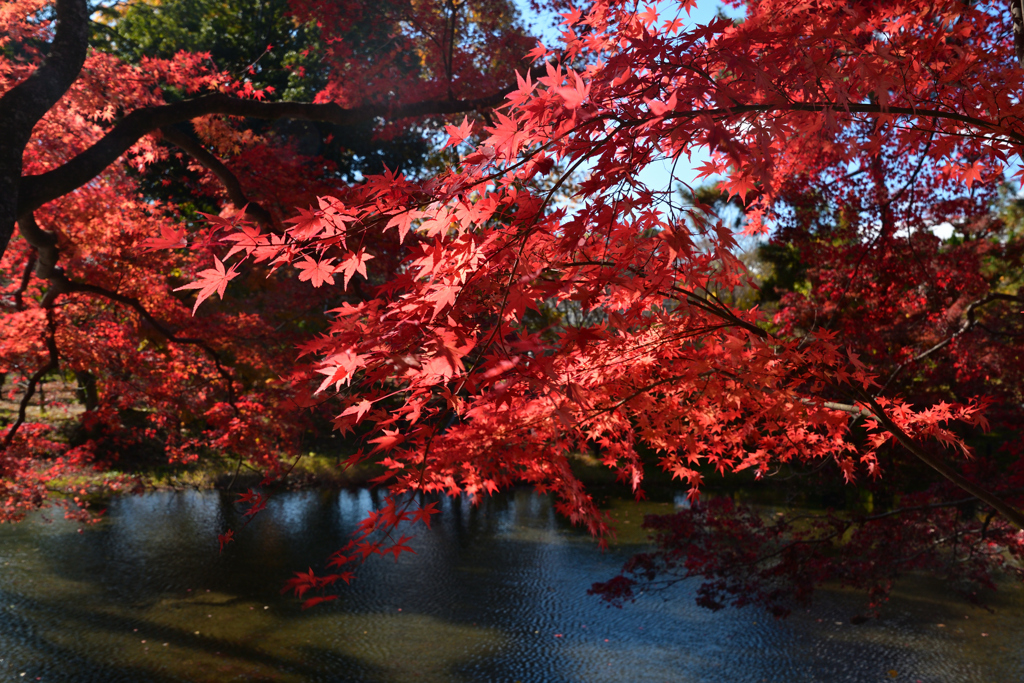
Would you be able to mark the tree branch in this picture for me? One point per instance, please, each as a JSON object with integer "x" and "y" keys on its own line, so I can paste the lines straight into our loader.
{"x": 44, "y": 242}
{"x": 1008, "y": 511}
{"x": 229, "y": 180}
{"x": 45, "y": 259}
{"x": 872, "y": 109}
{"x": 25, "y": 104}
{"x": 37, "y": 190}
{"x": 70, "y": 287}
{"x": 969, "y": 323}
{"x": 26, "y": 276}
{"x": 47, "y": 255}
{"x": 30, "y": 390}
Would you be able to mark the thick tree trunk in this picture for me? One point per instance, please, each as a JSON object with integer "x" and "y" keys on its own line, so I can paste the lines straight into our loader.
{"x": 1017, "y": 12}
{"x": 23, "y": 105}
{"x": 87, "y": 394}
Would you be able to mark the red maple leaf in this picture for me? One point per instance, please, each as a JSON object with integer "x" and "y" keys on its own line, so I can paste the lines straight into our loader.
{"x": 316, "y": 272}
{"x": 424, "y": 513}
{"x": 354, "y": 263}
{"x": 460, "y": 133}
{"x": 359, "y": 409}
{"x": 211, "y": 280}
{"x": 313, "y": 602}
{"x": 576, "y": 93}
{"x": 170, "y": 238}
{"x": 225, "y": 538}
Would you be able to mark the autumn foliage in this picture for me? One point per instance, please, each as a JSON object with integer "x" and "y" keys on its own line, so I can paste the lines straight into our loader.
{"x": 476, "y": 327}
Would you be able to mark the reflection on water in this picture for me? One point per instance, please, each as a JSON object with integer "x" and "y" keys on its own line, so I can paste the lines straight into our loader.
{"x": 494, "y": 593}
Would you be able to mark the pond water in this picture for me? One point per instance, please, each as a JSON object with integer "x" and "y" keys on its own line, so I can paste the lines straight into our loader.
{"x": 494, "y": 593}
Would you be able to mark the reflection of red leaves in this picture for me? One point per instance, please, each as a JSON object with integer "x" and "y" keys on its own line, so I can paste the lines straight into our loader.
{"x": 372, "y": 537}
{"x": 400, "y": 546}
{"x": 334, "y": 578}
{"x": 303, "y": 582}
{"x": 339, "y": 559}
{"x": 312, "y": 602}
{"x": 256, "y": 502}
{"x": 225, "y": 538}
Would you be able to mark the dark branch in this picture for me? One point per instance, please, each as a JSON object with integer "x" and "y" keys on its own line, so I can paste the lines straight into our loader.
{"x": 25, "y": 104}
{"x": 33, "y": 382}
{"x": 47, "y": 255}
{"x": 70, "y": 287}
{"x": 46, "y": 259}
{"x": 1015, "y": 516}
{"x": 32, "y": 98}
{"x": 968, "y": 324}
{"x": 229, "y": 180}
{"x": 39, "y": 189}
{"x": 1011, "y": 513}
{"x": 44, "y": 242}
{"x": 870, "y": 109}
{"x": 26, "y": 276}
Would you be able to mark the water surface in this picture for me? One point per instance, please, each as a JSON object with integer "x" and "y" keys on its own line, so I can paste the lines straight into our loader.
{"x": 494, "y": 593}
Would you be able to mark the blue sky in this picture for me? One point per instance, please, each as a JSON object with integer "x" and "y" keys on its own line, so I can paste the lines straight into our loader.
{"x": 658, "y": 175}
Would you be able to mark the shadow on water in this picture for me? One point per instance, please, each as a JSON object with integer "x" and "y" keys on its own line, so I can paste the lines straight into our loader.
{"x": 495, "y": 592}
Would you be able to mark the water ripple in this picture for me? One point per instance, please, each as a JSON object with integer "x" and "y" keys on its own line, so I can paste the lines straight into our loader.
{"x": 495, "y": 592}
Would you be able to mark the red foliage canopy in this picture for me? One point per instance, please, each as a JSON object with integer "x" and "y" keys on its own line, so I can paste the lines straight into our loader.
{"x": 486, "y": 323}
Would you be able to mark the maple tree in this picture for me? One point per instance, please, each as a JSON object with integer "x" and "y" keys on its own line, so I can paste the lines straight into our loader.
{"x": 484, "y": 328}
{"x": 120, "y": 156}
